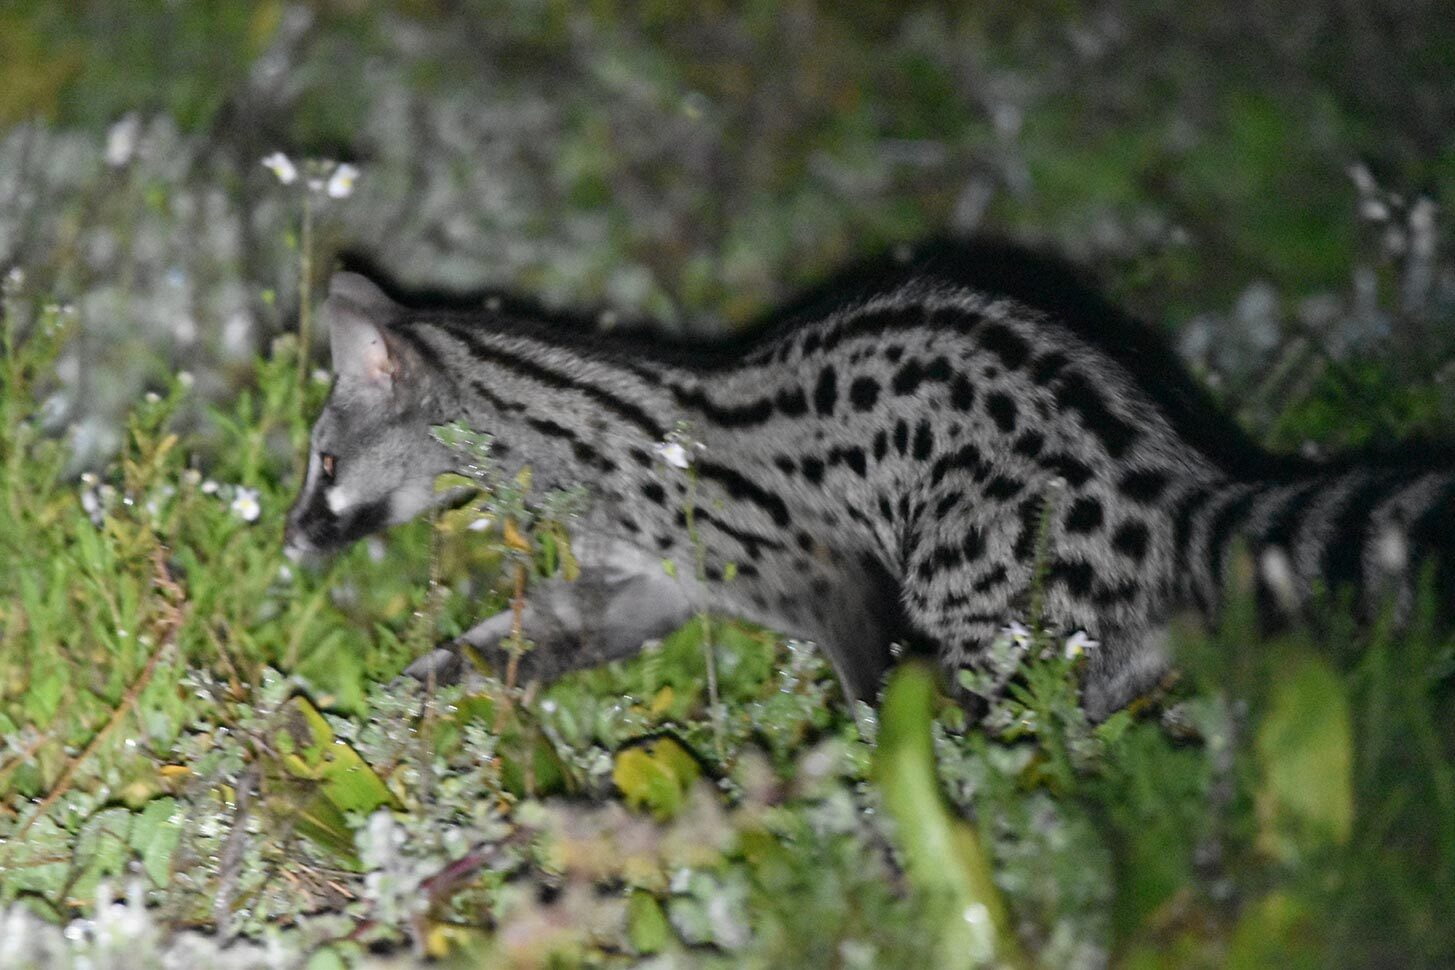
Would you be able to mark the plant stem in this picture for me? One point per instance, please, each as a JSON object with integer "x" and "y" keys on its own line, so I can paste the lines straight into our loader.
{"x": 305, "y": 302}
{"x": 709, "y": 655}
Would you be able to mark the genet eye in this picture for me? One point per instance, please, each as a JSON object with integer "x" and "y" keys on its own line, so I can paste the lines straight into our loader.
{"x": 328, "y": 462}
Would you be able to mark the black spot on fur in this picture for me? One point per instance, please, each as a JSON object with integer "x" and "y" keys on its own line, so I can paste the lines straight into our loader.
{"x": 1143, "y": 486}
{"x": 1077, "y": 394}
{"x": 962, "y": 393}
{"x": 947, "y": 502}
{"x": 1005, "y": 344}
{"x": 1075, "y": 472}
{"x": 974, "y": 544}
{"x": 826, "y": 393}
{"x": 1002, "y": 411}
{"x": 1029, "y": 444}
{"x": 924, "y": 441}
{"x": 990, "y": 580}
{"x": 791, "y": 402}
{"x": 863, "y": 393}
{"x": 1047, "y": 366}
{"x": 1084, "y": 515}
{"x": 1130, "y": 539}
{"x": 1002, "y": 488}
{"x": 908, "y": 378}
{"x": 1075, "y": 574}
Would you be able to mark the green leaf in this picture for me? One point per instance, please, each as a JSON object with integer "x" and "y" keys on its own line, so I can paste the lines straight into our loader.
{"x": 333, "y": 780}
{"x": 943, "y": 854}
{"x": 1305, "y": 798}
{"x": 154, "y": 837}
{"x": 647, "y": 926}
{"x": 655, "y": 776}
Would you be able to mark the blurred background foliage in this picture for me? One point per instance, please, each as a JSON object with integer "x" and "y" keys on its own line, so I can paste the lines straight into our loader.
{"x": 696, "y": 163}
{"x": 1264, "y": 182}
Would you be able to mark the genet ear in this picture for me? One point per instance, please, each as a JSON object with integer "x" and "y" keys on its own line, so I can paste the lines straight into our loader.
{"x": 357, "y": 313}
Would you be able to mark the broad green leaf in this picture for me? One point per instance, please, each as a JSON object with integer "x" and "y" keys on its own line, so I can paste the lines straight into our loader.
{"x": 155, "y": 833}
{"x": 310, "y": 751}
{"x": 333, "y": 779}
{"x": 655, "y": 775}
{"x": 943, "y": 854}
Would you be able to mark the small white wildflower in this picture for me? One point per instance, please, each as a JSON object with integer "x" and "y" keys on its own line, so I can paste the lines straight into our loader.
{"x": 1079, "y": 643}
{"x": 673, "y": 454}
{"x": 341, "y": 182}
{"x": 209, "y": 487}
{"x": 285, "y": 574}
{"x": 281, "y": 166}
{"x": 185, "y": 378}
{"x": 245, "y": 504}
{"x": 122, "y": 633}
{"x": 548, "y": 705}
{"x": 1017, "y": 634}
{"x": 91, "y": 505}
{"x": 191, "y": 477}
{"x": 121, "y": 140}
{"x": 480, "y": 524}
{"x": 320, "y": 376}
{"x": 151, "y": 397}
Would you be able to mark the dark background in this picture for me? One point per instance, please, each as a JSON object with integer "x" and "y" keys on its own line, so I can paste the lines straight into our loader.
{"x": 1262, "y": 179}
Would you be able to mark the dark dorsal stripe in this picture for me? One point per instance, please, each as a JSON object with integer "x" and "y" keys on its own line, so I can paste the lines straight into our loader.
{"x": 628, "y": 411}
{"x": 739, "y": 486}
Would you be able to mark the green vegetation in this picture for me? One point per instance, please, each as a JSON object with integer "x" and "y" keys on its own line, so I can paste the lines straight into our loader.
{"x": 190, "y": 723}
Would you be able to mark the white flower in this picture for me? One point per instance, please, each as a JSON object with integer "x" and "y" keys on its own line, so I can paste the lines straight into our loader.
{"x": 1017, "y": 634}
{"x": 121, "y": 141}
{"x": 1079, "y": 643}
{"x": 185, "y": 378}
{"x": 245, "y": 504}
{"x": 341, "y": 182}
{"x": 673, "y": 454}
{"x": 91, "y": 505}
{"x": 209, "y": 487}
{"x": 282, "y": 166}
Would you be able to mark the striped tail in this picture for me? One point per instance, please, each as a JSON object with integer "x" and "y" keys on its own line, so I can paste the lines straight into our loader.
{"x": 1364, "y": 534}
